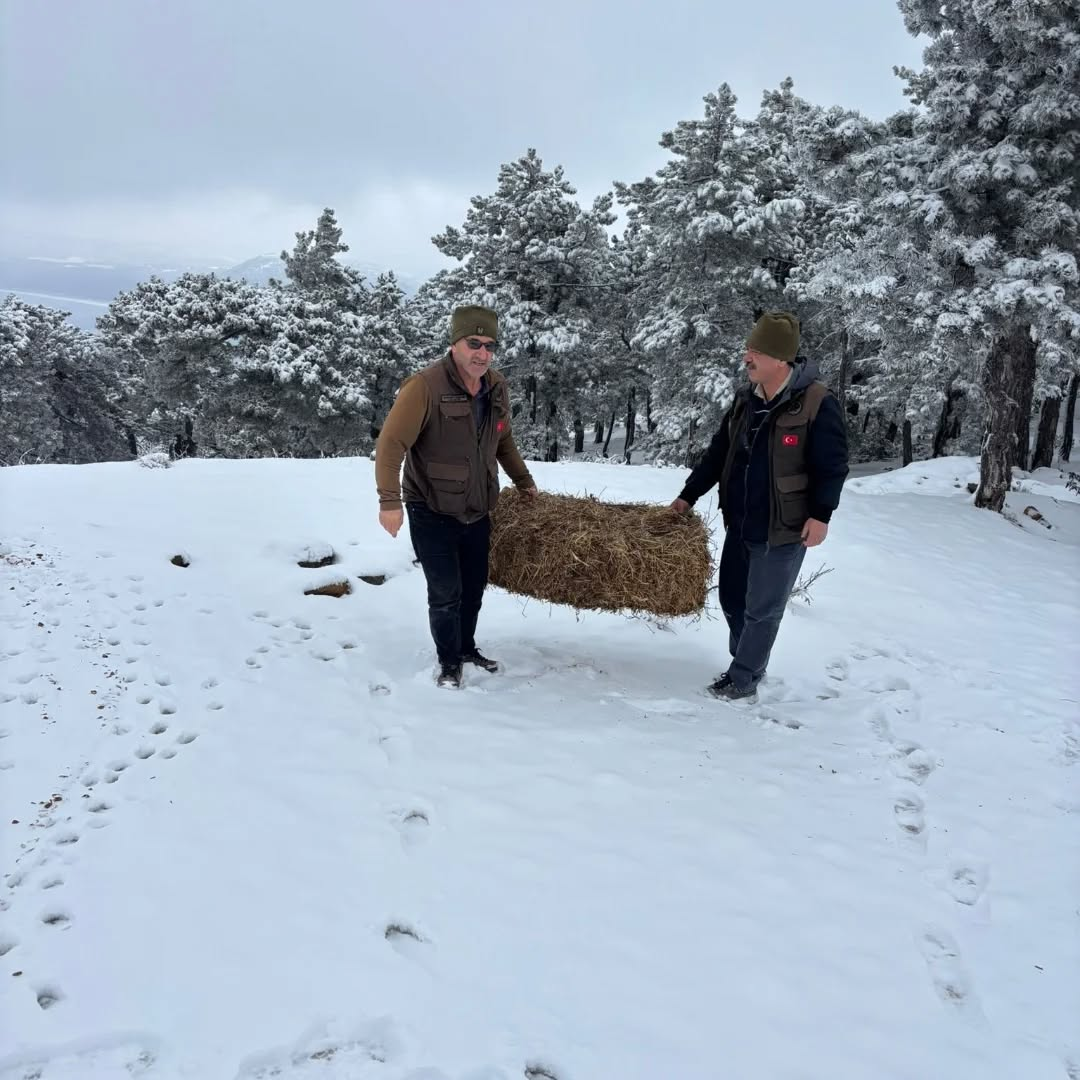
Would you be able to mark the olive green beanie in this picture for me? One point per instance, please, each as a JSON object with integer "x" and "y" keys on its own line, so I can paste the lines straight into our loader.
{"x": 467, "y": 321}
{"x": 775, "y": 334}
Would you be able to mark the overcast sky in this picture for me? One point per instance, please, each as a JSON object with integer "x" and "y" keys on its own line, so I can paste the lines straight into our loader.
{"x": 217, "y": 128}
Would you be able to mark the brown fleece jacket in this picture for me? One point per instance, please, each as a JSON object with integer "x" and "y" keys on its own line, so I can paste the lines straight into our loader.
{"x": 449, "y": 465}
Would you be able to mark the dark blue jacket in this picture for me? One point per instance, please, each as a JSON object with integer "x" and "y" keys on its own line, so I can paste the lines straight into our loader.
{"x": 748, "y": 498}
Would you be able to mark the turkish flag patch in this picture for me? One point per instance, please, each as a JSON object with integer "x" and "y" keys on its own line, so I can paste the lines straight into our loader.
{"x": 791, "y": 440}
{"x": 499, "y": 425}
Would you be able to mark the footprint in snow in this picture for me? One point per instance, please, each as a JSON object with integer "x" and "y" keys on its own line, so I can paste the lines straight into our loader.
{"x": 967, "y": 880}
{"x": 942, "y": 956}
{"x": 47, "y": 998}
{"x": 209, "y": 682}
{"x": 159, "y": 728}
{"x": 539, "y": 1071}
{"x": 910, "y": 813}
{"x": 404, "y": 938}
{"x": 912, "y": 762}
{"x": 6, "y": 945}
{"x": 413, "y": 826}
{"x": 58, "y": 919}
{"x": 186, "y": 737}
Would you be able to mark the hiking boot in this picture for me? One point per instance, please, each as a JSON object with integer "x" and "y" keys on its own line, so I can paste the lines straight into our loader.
{"x": 449, "y": 676}
{"x": 480, "y": 660}
{"x": 725, "y": 689}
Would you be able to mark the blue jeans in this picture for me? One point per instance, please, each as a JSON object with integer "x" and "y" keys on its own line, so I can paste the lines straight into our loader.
{"x": 755, "y": 583}
{"x": 454, "y": 558}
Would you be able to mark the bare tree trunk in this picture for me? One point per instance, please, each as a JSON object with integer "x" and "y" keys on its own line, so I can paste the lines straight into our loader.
{"x": 688, "y": 460}
{"x": 1011, "y": 358}
{"x": 610, "y": 429}
{"x": 598, "y": 434}
{"x": 551, "y": 433}
{"x": 1070, "y": 415}
{"x": 948, "y": 426}
{"x": 579, "y": 433}
{"x": 845, "y": 368}
{"x": 530, "y": 393}
{"x": 1025, "y": 392}
{"x": 909, "y": 455}
{"x": 1044, "y": 442}
{"x": 650, "y": 423}
{"x": 631, "y": 421}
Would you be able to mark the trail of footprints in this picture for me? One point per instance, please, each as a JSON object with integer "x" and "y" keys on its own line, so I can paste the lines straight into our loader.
{"x": 911, "y": 765}
{"x": 51, "y": 841}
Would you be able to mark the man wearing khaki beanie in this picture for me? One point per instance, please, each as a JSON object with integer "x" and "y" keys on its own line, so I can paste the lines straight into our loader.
{"x": 450, "y": 425}
{"x": 780, "y": 459}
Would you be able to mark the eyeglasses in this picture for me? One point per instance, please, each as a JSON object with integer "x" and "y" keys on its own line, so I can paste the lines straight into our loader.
{"x": 476, "y": 346}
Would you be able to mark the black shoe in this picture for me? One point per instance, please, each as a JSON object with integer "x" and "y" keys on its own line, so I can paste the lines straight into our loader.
{"x": 449, "y": 676}
{"x": 480, "y": 660}
{"x": 726, "y": 689}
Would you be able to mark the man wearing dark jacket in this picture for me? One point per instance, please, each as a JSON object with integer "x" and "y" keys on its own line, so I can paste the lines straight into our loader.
{"x": 780, "y": 458}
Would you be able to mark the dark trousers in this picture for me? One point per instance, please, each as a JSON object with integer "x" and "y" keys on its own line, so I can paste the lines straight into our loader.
{"x": 454, "y": 558}
{"x": 755, "y": 583}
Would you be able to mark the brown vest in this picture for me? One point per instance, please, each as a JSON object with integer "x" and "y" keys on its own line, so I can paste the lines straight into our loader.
{"x": 452, "y": 467}
{"x": 789, "y": 426}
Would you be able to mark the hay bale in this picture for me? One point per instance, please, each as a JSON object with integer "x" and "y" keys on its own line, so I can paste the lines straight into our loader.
{"x": 605, "y": 556}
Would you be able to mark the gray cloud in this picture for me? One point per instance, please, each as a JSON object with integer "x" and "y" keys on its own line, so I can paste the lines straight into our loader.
{"x": 221, "y": 128}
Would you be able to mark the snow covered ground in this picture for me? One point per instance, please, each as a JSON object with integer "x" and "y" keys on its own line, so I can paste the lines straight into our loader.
{"x": 245, "y": 837}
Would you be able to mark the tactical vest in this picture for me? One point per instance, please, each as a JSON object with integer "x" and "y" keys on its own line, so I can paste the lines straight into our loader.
{"x": 452, "y": 466}
{"x": 788, "y": 429}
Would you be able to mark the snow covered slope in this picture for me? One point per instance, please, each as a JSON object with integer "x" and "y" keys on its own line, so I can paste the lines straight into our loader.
{"x": 245, "y": 837}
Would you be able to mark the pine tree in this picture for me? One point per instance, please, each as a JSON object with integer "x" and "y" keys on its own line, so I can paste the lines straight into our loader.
{"x": 530, "y": 252}
{"x": 988, "y": 189}
{"x": 719, "y": 228}
{"x": 58, "y": 397}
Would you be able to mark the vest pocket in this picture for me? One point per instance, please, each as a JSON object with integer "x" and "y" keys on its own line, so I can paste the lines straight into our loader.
{"x": 794, "y": 499}
{"x": 448, "y": 484}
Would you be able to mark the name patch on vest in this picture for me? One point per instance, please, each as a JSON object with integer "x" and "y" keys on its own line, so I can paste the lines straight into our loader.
{"x": 454, "y": 397}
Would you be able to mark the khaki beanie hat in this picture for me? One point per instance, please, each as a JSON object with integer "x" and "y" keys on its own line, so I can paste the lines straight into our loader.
{"x": 775, "y": 334}
{"x": 467, "y": 321}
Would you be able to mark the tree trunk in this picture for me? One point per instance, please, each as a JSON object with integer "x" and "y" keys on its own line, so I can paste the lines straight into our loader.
{"x": 530, "y": 393}
{"x": 1048, "y": 422}
{"x": 650, "y": 423}
{"x": 598, "y": 434}
{"x": 1024, "y": 390}
{"x": 631, "y": 422}
{"x": 909, "y": 456}
{"x": 551, "y": 433}
{"x": 1012, "y": 356}
{"x": 948, "y": 426}
{"x": 845, "y": 367}
{"x": 1070, "y": 414}
{"x": 579, "y": 433}
{"x": 610, "y": 429}
{"x": 691, "y": 430}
